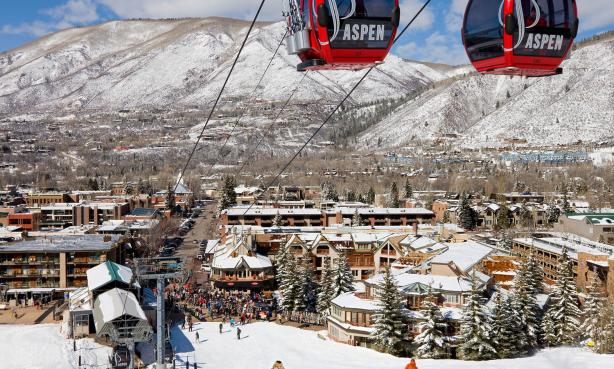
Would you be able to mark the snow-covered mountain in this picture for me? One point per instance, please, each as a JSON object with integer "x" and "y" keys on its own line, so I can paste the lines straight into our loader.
{"x": 487, "y": 111}
{"x": 174, "y": 63}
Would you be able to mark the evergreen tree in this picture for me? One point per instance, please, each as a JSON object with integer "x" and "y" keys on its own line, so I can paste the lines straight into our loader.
{"x": 466, "y": 216}
{"x": 371, "y": 196}
{"x": 446, "y": 217}
{"x": 356, "y": 220}
{"x": 528, "y": 284}
{"x": 128, "y": 189}
{"x": 305, "y": 299}
{"x": 290, "y": 287}
{"x": 228, "y": 194}
{"x": 506, "y": 241}
{"x": 361, "y": 198}
{"x": 475, "y": 328}
{"x": 277, "y": 220}
{"x": 605, "y": 335}
{"x": 498, "y": 325}
{"x": 393, "y": 197}
{"x": 525, "y": 215}
{"x": 432, "y": 341}
{"x": 549, "y": 335}
{"x": 350, "y": 196}
{"x": 170, "y": 199}
{"x": 504, "y": 217}
{"x": 510, "y": 340}
{"x": 566, "y": 206}
{"x": 594, "y": 307}
{"x": 141, "y": 187}
{"x": 409, "y": 191}
{"x": 344, "y": 279}
{"x": 563, "y": 309}
{"x": 553, "y": 214}
{"x": 390, "y": 323}
{"x": 329, "y": 192}
{"x": 281, "y": 262}
{"x": 327, "y": 289}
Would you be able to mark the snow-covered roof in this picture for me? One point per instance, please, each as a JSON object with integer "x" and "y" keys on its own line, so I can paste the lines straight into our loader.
{"x": 240, "y": 211}
{"x": 464, "y": 254}
{"x": 108, "y": 272}
{"x": 407, "y": 280}
{"x": 573, "y": 245}
{"x": 64, "y": 243}
{"x": 379, "y": 211}
{"x": 116, "y": 303}
{"x": 350, "y": 301}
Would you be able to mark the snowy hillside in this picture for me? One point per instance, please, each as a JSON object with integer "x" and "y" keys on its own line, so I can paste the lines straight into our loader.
{"x": 488, "y": 110}
{"x": 126, "y": 64}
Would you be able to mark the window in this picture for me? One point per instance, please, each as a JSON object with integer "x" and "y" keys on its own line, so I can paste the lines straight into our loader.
{"x": 369, "y": 28}
{"x": 482, "y": 31}
{"x": 548, "y": 36}
{"x": 452, "y": 298}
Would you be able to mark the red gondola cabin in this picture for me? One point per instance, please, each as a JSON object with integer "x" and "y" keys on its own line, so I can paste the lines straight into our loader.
{"x": 519, "y": 37}
{"x": 341, "y": 34}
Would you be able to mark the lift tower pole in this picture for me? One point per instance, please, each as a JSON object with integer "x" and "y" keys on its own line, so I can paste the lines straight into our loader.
{"x": 160, "y": 269}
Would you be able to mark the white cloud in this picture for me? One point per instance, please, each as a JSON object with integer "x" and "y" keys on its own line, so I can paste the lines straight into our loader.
{"x": 595, "y": 14}
{"x": 244, "y": 9}
{"x": 437, "y": 48}
{"x": 409, "y": 8}
{"x": 454, "y": 15}
{"x": 70, "y": 14}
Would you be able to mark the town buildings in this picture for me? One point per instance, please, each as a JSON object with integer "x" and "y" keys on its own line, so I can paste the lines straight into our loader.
{"x": 56, "y": 261}
{"x": 598, "y": 227}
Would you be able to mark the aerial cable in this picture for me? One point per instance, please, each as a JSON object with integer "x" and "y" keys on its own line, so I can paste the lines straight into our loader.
{"x": 251, "y": 97}
{"x": 270, "y": 126}
{"x": 202, "y": 132}
{"x": 274, "y": 180}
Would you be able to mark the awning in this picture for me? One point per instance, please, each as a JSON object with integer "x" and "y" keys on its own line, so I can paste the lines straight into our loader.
{"x": 31, "y": 290}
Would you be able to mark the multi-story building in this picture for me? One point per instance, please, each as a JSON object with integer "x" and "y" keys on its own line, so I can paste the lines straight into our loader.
{"x": 519, "y": 197}
{"x": 598, "y": 227}
{"x": 57, "y": 216}
{"x": 56, "y": 261}
{"x": 25, "y": 221}
{"x": 96, "y": 213}
{"x": 590, "y": 259}
{"x": 447, "y": 282}
{"x": 35, "y": 200}
{"x": 328, "y": 217}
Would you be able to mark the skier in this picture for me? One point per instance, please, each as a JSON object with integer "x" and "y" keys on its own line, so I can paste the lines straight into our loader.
{"x": 238, "y": 333}
{"x": 197, "y": 338}
{"x": 278, "y": 365}
{"x": 411, "y": 365}
{"x": 221, "y": 326}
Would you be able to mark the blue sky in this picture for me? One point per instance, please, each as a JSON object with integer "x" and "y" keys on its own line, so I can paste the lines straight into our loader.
{"x": 434, "y": 38}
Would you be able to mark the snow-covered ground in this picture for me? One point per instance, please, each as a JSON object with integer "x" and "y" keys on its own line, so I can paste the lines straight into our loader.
{"x": 263, "y": 343}
{"x": 43, "y": 347}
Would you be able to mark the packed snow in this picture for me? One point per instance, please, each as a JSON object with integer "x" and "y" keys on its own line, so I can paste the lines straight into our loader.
{"x": 260, "y": 346}
{"x": 263, "y": 343}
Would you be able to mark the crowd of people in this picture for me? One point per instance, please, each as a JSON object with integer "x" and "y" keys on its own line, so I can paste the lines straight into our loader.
{"x": 234, "y": 307}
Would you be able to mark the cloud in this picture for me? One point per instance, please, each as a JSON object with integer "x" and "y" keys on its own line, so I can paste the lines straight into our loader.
{"x": 595, "y": 14}
{"x": 244, "y": 9}
{"x": 409, "y": 8}
{"x": 437, "y": 48}
{"x": 70, "y": 14}
{"x": 454, "y": 15}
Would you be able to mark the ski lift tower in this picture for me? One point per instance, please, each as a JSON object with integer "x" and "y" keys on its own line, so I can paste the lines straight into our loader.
{"x": 159, "y": 269}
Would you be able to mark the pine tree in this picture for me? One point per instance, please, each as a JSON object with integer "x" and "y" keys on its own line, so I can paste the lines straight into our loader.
{"x": 371, "y": 196}
{"x": 170, "y": 199}
{"x": 327, "y": 289}
{"x": 466, "y": 216}
{"x": 446, "y": 217}
{"x": 432, "y": 341}
{"x": 507, "y": 328}
{"x": 350, "y": 196}
{"x": 563, "y": 309}
{"x": 305, "y": 299}
{"x": 525, "y": 215}
{"x": 329, "y": 192}
{"x": 344, "y": 279}
{"x": 390, "y": 323}
{"x": 281, "y": 262}
{"x": 409, "y": 191}
{"x": 553, "y": 214}
{"x": 356, "y": 220}
{"x": 393, "y": 197}
{"x": 498, "y": 322}
{"x": 527, "y": 285}
{"x": 566, "y": 206}
{"x": 549, "y": 335}
{"x": 506, "y": 241}
{"x": 475, "y": 328}
{"x": 277, "y": 220}
{"x": 504, "y": 217}
{"x": 290, "y": 286}
{"x": 594, "y": 306}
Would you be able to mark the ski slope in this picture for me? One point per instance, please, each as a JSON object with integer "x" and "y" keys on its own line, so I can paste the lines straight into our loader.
{"x": 43, "y": 347}
{"x": 263, "y": 343}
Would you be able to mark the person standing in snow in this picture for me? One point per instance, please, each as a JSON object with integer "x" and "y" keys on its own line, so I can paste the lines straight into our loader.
{"x": 411, "y": 365}
{"x": 278, "y": 365}
{"x": 221, "y": 326}
{"x": 238, "y": 333}
{"x": 197, "y": 338}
